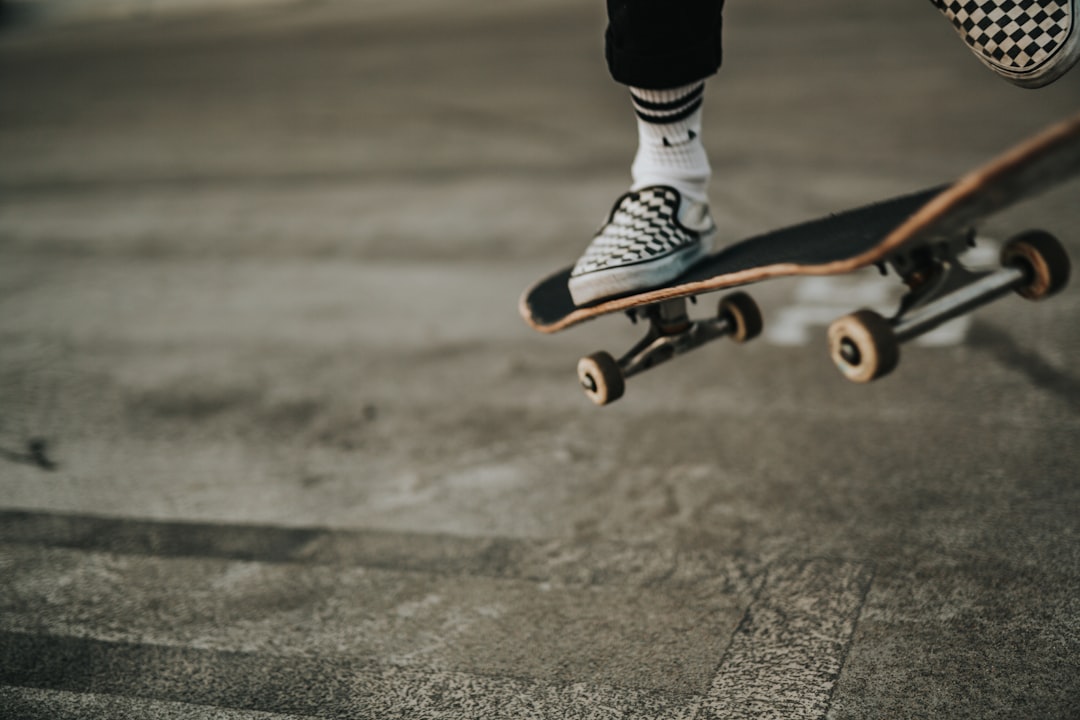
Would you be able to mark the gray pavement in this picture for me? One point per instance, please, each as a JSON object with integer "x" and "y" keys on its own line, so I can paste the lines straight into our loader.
{"x": 274, "y": 442}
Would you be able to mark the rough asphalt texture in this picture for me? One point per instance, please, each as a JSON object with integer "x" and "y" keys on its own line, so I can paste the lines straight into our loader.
{"x": 274, "y": 442}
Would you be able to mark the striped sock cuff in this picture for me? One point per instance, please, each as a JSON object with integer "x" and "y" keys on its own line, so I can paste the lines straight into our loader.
{"x": 664, "y": 107}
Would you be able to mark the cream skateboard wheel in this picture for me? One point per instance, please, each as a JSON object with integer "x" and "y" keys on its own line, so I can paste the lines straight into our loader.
{"x": 863, "y": 346}
{"x": 601, "y": 378}
{"x": 1045, "y": 260}
{"x": 744, "y": 315}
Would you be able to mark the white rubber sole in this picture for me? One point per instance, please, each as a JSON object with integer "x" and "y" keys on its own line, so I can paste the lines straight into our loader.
{"x": 626, "y": 279}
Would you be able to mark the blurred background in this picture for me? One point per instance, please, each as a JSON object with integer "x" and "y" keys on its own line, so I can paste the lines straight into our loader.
{"x": 273, "y": 438}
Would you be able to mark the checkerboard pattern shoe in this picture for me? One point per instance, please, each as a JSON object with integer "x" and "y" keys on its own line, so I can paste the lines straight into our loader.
{"x": 1029, "y": 42}
{"x": 651, "y": 237}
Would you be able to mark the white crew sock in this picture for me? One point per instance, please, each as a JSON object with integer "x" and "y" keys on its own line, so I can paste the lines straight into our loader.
{"x": 670, "y": 151}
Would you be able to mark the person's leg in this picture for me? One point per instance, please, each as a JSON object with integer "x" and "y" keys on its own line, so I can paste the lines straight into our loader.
{"x": 663, "y": 51}
{"x": 670, "y": 151}
{"x": 1031, "y": 43}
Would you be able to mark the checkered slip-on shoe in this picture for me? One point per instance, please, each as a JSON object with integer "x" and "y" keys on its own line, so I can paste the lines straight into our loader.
{"x": 651, "y": 237}
{"x": 1029, "y": 42}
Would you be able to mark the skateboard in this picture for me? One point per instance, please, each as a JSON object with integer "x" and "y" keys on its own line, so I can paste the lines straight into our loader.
{"x": 920, "y": 236}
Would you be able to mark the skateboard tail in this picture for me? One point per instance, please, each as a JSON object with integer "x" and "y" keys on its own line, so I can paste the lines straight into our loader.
{"x": 1023, "y": 172}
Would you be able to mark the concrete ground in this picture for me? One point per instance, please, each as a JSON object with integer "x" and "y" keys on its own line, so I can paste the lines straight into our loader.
{"x": 275, "y": 443}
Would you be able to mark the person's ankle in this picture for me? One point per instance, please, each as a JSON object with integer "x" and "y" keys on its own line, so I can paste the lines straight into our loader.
{"x": 691, "y": 190}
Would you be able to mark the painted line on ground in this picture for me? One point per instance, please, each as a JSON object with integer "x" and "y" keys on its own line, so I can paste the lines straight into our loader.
{"x": 333, "y": 687}
{"x": 781, "y": 659}
{"x": 786, "y": 656}
{"x": 556, "y": 561}
{"x": 35, "y": 704}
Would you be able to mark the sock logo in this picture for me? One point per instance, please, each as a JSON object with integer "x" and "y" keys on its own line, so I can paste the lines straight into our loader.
{"x": 691, "y": 136}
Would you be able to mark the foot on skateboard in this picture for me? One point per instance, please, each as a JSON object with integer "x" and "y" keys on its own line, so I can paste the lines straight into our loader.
{"x": 919, "y": 237}
{"x": 650, "y": 238}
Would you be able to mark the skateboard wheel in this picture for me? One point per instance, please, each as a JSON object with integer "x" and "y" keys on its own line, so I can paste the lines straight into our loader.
{"x": 863, "y": 346}
{"x": 601, "y": 377}
{"x": 744, "y": 315}
{"x": 1045, "y": 260}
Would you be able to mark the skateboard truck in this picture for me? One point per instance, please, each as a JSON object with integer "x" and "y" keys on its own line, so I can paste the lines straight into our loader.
{"x": 671, "y": 332}
{"x": 865, "y": 345}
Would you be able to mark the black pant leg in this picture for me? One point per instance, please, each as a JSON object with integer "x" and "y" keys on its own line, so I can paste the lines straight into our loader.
{"x": 660, "y": 44}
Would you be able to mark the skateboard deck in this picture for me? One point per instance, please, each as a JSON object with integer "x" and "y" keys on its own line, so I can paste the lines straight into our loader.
{"x": 843, "y": 242}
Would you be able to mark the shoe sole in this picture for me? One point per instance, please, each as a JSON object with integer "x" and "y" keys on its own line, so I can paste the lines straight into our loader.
{"x": 626, "y": 279}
